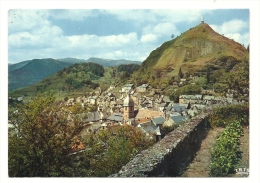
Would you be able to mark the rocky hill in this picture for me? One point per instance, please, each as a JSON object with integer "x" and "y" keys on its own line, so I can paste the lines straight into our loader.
{"x": 193, "y": 51}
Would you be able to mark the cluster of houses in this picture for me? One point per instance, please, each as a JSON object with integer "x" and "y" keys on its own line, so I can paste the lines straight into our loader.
{"x": 149, "y": 112}
{"x": 131, "y": 106}
{"x": 206, "y": 99}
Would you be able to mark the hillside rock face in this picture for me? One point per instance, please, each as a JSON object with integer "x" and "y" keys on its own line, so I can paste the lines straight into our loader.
{"x": 191, "y": 51}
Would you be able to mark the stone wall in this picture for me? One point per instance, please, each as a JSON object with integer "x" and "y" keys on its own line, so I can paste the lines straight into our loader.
{"x": 170, "y": 156}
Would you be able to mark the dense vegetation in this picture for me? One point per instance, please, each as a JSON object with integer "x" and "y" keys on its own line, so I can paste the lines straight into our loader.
{"x": 44, "y": 136}
{"x": 112, "y": 148}
{"x": 124, "y": 71}
{"x": 222, "y": 116}
{"x": 130, "y": 68}
{"x": 41, "y": 138}
{"x": 78, "y": 77}
{"x": 82, "y": 74}
{"x": 226, "y": 153}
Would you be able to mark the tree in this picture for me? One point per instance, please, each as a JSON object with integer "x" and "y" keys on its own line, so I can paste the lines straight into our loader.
{"x": 172, "y": 36}
{"x": 239, "y": 81}
{"x": 42, "y": 141}
{"x": 180, "y": 74}
{"x": 112, "y": 148}
{"x": 208, "y": 75}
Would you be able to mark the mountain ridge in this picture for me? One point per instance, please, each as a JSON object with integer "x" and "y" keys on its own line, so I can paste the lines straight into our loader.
{"x": 101, "y": 61}
{"x": 28, "y": 72}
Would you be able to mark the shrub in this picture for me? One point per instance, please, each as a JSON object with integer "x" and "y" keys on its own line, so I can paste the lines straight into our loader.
{"x": 222, "y": 116}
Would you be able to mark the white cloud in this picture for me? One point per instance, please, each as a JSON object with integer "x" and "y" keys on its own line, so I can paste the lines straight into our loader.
{"x": 154, "y": 32}
{"x": 119, "y": 40}
{"x": 165, "y": 28}
{"x": 25, "y": 20}
{"x": 48, "y": 30}
{"x": 232, "y": 26}
{"x": 54, "y": 44}
{"x": 148, "y": 38}
{"x": 232, "y": 29}
{"x": 41, "y": 37}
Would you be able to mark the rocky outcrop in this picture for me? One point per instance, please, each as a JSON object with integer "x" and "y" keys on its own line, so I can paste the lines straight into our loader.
{"x": 170, "y": 156}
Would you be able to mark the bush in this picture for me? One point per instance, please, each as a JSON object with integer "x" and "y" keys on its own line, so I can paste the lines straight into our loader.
{"x": 112, "y": 148}
{"x": 222, "y": 116}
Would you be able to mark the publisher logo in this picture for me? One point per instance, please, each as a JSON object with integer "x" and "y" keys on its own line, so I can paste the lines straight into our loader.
{"x": 242, "y": 171}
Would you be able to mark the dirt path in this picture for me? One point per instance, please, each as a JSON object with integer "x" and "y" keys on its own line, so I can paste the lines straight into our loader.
{"x": 199, "y": 167}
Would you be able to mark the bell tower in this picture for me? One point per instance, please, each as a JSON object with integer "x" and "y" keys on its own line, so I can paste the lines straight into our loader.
{"x": 128, "y": 107}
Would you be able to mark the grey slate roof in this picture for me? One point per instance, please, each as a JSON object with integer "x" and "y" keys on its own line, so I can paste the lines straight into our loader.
{"x": 166, "y": 99}
{"x": 179, "y": 108}
{"x": 148, "y": 126}
{"x": 116, "y": 117}
{"x": 168, "y": 108}
{"x": 178, "y": 119}
{"x": 192, "y": 97}
{"x": 159, "y": 120}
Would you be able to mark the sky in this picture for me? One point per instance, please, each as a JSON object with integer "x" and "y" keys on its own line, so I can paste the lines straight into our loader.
{"x": 111, "y": 33}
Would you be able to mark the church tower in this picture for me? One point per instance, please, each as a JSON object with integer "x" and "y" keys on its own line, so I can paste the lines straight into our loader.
{"x": 128, "y": 107}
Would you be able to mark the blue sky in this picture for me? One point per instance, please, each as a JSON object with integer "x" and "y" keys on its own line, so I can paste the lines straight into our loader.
{"x": 112, "y": 34}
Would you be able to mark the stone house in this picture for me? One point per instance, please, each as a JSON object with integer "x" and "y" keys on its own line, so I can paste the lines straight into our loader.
{"x": 150, "y": 129}
{"x": 127, "y": 88}
{"x": 142, "y": 88}
{"x": 193, "y": 99}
